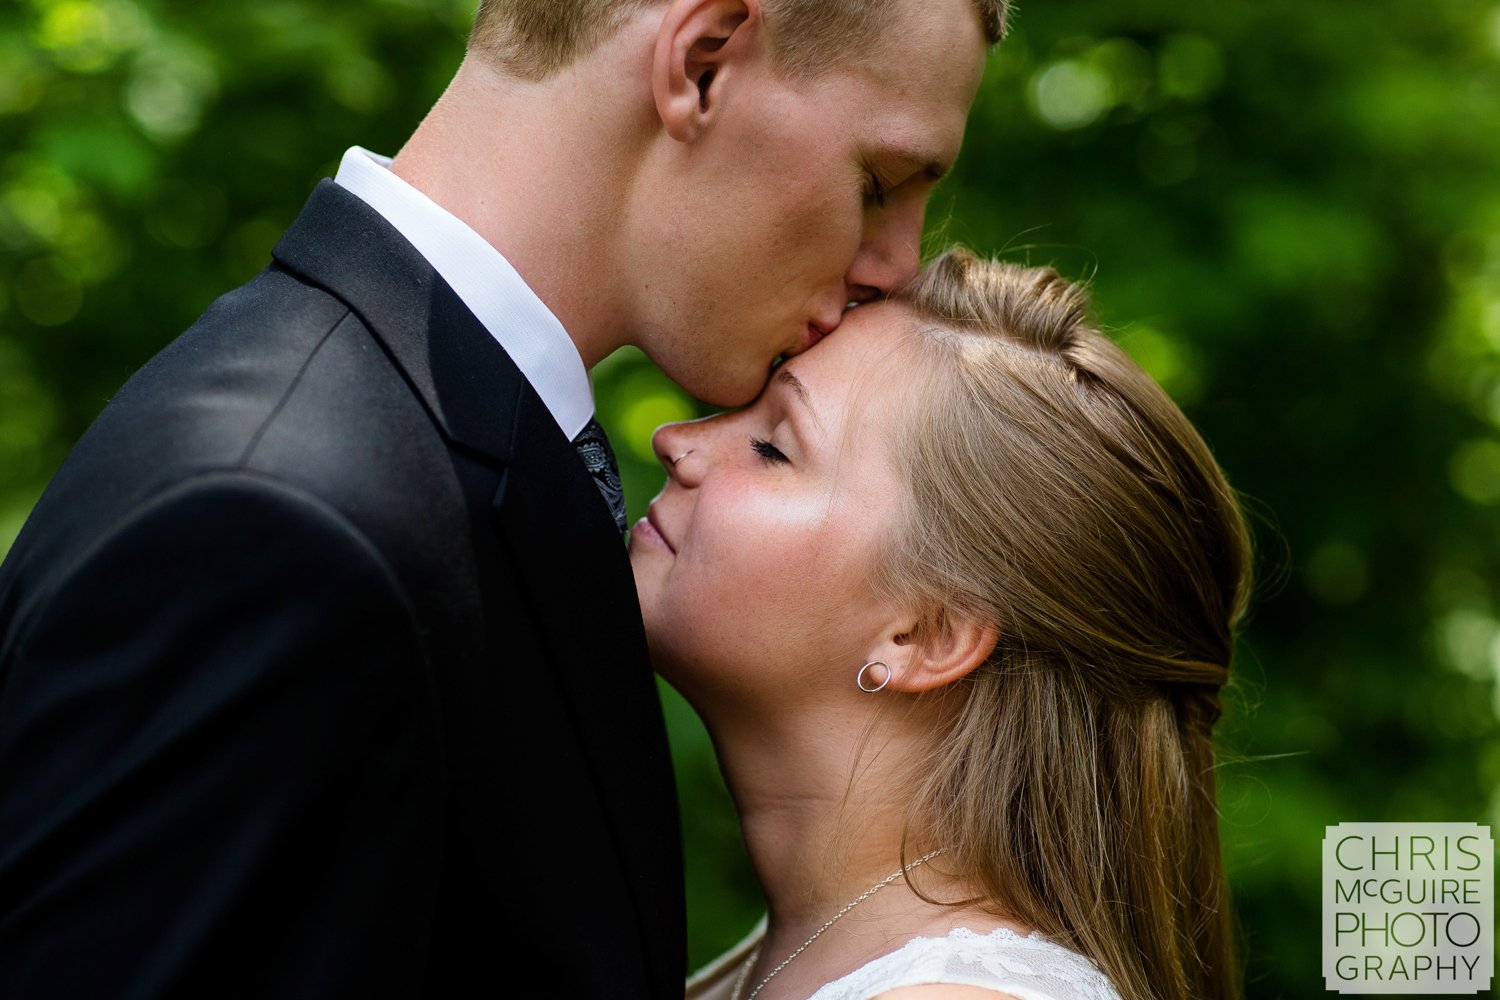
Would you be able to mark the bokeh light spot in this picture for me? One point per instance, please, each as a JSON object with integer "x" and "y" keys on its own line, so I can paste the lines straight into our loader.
{"x": 1166, "y": 359}
{"x": 360, "y": 83}
{"x": 1128, "y": 67}
{"x": 643, "y": 416}
{"x": 36, "y": 208}
{"x": 92, "y": 248}
{"x": 1071, "y": 94}
{"x": 1475, "y": 471}
{"x": 86, "y": 36}
{"x": 168, "y": 91}
{"x": 76, "y": 33}
{"x": 1190, "y": 67}
{"x": 1466, "y": 636}
{"x": 22, "y": 83}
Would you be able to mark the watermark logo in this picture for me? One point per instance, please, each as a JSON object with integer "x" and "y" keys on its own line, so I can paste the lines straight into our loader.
{"x": 1408, "y": 908}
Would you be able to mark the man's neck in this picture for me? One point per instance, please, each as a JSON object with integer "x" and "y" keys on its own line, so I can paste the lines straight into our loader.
{"x": 540, "y": 170}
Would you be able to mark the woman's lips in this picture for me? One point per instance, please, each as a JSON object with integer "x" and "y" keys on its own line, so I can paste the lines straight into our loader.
{"x": 647, "y": 528}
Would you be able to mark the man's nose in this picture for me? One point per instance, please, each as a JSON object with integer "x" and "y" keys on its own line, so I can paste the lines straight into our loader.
{"x": 891, "y": 253}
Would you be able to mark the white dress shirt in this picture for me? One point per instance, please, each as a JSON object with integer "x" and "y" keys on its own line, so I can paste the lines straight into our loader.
{"x": 493, "y": 291}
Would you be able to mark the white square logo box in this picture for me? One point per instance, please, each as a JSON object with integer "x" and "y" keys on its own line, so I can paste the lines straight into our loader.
{"x": 1408, "y": 908}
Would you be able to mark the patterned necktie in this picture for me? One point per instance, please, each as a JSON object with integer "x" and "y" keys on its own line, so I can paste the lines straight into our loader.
{"x": 593, "y": 447}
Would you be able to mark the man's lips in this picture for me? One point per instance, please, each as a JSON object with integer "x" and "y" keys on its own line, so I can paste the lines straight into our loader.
{"x": 811, "y": 334}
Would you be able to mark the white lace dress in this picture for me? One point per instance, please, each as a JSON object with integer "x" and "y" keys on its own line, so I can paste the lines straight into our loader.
{"x": 1030, "y": 967}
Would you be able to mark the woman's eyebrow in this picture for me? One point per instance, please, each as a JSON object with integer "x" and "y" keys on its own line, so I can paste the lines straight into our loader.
{"x": 791, "y": 381}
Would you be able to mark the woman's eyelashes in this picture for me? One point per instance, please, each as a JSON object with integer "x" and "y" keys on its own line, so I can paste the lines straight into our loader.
{"x": 769, "y": 452}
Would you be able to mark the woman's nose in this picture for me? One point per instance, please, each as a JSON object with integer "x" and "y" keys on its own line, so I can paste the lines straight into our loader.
{"x": 674, "y": 444}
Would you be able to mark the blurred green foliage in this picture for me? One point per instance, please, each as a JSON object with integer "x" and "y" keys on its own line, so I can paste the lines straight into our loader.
{"x": 1289, "y": 212}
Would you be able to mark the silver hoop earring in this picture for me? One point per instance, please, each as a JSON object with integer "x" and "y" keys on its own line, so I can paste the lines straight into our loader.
{"x": 859, "y": 678}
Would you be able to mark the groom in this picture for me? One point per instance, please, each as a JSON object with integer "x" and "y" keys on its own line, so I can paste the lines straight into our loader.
{"x": 321, "y": 671}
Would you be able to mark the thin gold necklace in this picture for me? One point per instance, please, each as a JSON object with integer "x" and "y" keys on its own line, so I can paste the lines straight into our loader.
{"x": 739, "y": 982}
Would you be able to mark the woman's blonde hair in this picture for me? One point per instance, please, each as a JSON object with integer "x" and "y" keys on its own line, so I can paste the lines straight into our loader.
{"x": 1057, "y": 493}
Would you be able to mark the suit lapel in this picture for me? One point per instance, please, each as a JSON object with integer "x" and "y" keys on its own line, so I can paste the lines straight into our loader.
{"x": 465, "y": 379}
{"x": 569, "y": 553}
{"x": 550, "y": 517}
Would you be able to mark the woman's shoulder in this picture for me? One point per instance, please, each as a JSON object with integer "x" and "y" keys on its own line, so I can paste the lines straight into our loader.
{"x": 998, "y": 963}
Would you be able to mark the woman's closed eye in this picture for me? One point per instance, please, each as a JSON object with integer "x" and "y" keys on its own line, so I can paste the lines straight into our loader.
{"x": 768, "y": 451}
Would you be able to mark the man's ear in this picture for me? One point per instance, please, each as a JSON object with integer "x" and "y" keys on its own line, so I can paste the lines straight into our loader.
{"x": 700, "y": 44}
{"x": 935, "y": 651}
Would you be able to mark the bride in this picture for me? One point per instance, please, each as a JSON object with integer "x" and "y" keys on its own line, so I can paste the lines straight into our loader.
{"x": 955, "y": 599}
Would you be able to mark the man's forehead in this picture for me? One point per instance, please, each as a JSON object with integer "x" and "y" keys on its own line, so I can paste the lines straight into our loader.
{"x": 916, "y": 37}
{"x": 919, "y": 85}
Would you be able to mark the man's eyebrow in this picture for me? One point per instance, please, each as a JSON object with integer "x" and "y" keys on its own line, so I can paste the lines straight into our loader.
{"x": 792, "y": 382}
{"x": 934, "y": 170}
{"x": 933, "y": 166}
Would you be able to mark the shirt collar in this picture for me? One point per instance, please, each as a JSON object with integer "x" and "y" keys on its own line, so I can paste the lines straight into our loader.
{"x": 485, "y": 282}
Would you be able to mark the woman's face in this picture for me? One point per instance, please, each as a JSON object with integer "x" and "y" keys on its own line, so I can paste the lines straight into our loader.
{"x": 754, "y": 563}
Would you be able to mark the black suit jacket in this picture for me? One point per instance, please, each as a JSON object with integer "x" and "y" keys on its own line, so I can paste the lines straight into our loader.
{"x": 322, "y": 673}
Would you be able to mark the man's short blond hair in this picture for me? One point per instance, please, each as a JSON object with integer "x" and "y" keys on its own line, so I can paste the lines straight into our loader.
{"x": 533, "y": 39}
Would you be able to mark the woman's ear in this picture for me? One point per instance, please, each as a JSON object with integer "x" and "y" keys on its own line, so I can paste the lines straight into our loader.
{"x": 936, "y": 651}
{"x": 698, "y": 46}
